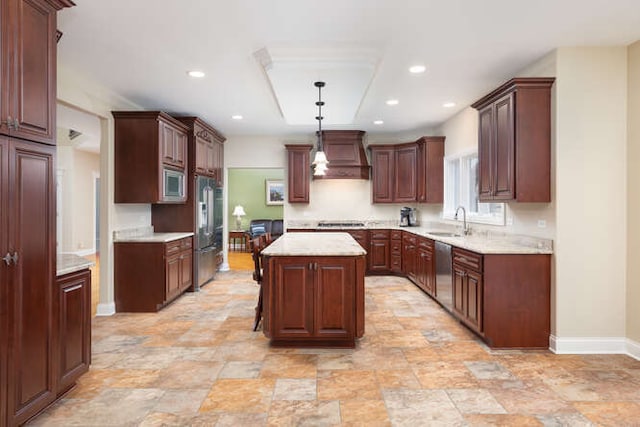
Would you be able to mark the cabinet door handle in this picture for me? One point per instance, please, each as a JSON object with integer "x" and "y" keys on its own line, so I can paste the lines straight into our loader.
{"x": 9, "y": 122}
{"x": 310, "y": 266}
{"x": 16, "y": 124}
{"x": 8, "y": 258}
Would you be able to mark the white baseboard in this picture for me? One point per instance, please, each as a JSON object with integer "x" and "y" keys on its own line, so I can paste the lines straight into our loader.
{"x": 224, "y": 266}
{"x": 633, "y": 349}
{"x": 108, "y": 309}
{"x": 594, "y": 345}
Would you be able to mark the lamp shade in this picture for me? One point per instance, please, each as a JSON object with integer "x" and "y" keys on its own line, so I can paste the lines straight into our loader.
{"x": 320, "y": 158}
{"x": 238, "y": 211}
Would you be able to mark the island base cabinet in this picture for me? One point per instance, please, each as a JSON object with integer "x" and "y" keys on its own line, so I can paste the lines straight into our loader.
{"x": 314, "y": 301}
{"x": 73, "y": 307}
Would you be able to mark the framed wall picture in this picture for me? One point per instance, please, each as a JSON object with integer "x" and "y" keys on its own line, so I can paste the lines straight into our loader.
{"x": 275, "y": 192}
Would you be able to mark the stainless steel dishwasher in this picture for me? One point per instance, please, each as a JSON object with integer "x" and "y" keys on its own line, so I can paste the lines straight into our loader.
{"x": 444, "y": 278}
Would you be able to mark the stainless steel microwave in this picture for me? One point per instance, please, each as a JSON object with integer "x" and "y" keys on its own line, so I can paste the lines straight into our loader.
{"x": 173, "y": 185}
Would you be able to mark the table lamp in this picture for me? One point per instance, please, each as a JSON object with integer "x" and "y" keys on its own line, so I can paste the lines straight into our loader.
{"x": 238, "y": 211}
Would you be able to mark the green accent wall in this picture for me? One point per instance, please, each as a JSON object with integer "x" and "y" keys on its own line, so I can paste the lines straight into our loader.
{"x": 247, "y": 187}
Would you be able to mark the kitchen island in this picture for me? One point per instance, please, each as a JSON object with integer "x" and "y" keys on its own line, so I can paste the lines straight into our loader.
{"x": 313, "y": 290}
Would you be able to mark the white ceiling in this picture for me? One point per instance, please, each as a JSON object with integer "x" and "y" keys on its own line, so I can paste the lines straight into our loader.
{"x": 142, "y": 50}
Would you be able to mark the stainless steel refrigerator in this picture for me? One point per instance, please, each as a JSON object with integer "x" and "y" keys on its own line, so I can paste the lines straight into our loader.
{"x": 208, "y": 235}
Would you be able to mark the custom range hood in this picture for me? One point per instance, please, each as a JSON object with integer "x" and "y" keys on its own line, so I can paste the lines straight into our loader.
{"x": 345, "y": 153}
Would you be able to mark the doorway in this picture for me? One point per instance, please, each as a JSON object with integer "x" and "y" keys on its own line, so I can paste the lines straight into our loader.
{"x": 79, "y": 136}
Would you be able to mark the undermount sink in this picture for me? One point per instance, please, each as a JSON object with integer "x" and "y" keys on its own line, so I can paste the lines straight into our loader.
{"x": 444, "y": 233}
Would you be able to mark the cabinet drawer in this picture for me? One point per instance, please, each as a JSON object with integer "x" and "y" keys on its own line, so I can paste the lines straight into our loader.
{"x": 360, "y": 235}
{"x": 176, "y": 246}
{"x": 396, "y": 263}
{"x": 396, "y": 247}
{"x": 468, "y": 259}
{"x": 409, "y": 238}
{"x": 426, "y": 244}
{"x": 396, "y": 234}
{"x": 379, "y": 234}
{"x": 186, "y": 243}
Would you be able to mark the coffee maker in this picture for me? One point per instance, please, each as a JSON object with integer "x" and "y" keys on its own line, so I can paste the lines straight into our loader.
{"x": 407, "y": 217}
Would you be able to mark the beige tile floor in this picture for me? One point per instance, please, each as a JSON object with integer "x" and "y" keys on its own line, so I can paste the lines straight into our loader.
{"x": 197, "y": 362}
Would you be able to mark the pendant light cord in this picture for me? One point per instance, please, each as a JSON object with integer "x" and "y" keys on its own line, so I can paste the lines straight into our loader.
{"x": 319, "y": 117}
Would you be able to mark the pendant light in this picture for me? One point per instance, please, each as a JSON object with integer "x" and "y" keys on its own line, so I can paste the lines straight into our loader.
{"x": 320, "y": 161}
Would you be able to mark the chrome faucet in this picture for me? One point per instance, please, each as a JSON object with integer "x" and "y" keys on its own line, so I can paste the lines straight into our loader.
{"x": 465, "y": 228}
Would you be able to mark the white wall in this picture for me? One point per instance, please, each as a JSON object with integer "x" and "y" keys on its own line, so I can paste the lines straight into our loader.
{"x": 590, "y": 153}
{"x": 80, "y": 92}
{"x": 633, "y": 194}
{"x": 79, "y": 169}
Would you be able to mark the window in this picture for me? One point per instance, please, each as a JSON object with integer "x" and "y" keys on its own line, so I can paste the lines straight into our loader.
{"x": 461, "y": 189}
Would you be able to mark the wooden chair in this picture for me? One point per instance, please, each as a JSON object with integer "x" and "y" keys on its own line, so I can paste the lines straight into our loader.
{"x": 257, "y": 245}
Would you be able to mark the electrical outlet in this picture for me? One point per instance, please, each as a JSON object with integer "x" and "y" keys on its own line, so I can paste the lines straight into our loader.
{"x": 542, "y": 223}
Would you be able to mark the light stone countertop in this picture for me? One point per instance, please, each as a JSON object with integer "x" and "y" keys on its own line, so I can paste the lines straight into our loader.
{"x": 154, "y": 238}
{"x": 314, "y": 244}
{"x": 480, "y": 242}
{"x": 70, "y": 263}
{"x": 146, "y": 235}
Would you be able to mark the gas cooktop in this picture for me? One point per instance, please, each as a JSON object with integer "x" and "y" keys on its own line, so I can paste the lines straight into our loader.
{"x": 336, "y": 224}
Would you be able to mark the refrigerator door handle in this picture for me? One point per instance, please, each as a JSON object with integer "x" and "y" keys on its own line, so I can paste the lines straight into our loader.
{"x": 209, "y": 199}
{"x": 202, "y": 214}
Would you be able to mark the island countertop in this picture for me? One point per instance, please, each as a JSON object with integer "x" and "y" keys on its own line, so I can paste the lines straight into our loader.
{"x": 314, "y": 244}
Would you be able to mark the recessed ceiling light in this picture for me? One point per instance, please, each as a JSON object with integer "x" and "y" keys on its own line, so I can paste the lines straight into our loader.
{"x": 196, "y": 73}
{"x": 392, "y": 102}
{"x": 236, "y": 117}
{"x": 449, "y": 104}
{"x": 378, "y": 122}
{"x": 417, "y": 69}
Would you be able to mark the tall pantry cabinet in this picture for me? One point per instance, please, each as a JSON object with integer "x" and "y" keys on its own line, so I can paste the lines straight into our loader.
{"x": 28, "y": 326}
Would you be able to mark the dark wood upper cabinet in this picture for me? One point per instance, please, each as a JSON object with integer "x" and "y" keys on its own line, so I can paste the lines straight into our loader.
{"x": 205, "y": 149}
{"x": 382, "y": 173}
{"x": 514, "y": 141}
{"x": 410, "y": 172}
{"x": 431, "y": 169}
{"x": 298, "y": 173}
{"x": 147, "y": 143}
{"x": 28, "y": 68}
{"x": 405, "y": 177}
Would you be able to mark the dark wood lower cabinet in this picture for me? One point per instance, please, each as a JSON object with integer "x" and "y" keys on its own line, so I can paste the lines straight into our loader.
{"x": 149, "y": 275}
{"x": 467, "y": 296}
{"x": 425, "y": 271}
{"x": 73, "y": 309}
{"x": 505, "y": 298}
{"x": 27, "y": 233}
{"x": 314, "y": 300}
{"x": 409, "y": 251}
{"x": 396, "y": 252}
{"x": 379, "y": 253}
